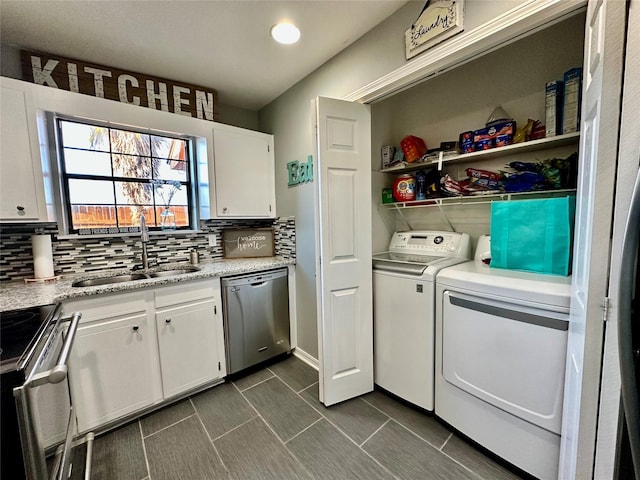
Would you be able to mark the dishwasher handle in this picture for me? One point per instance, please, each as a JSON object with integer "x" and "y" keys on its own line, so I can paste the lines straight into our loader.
{"x": 253, "y": 278}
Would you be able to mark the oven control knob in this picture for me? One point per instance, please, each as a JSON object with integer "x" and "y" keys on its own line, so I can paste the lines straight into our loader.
{"x": 438, "y": 240}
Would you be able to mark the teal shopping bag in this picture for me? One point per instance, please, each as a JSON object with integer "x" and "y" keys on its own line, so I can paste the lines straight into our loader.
{"x": 533, "y": 235}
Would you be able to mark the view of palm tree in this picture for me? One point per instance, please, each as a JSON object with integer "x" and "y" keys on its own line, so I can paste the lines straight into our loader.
{"x": 114, "y": 176}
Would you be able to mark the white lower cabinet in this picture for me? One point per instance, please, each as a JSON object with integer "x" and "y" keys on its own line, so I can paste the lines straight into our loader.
{"x": 134, "y": 350}
{"x": 188, "y": 338}
{"x": 115, "y": 374}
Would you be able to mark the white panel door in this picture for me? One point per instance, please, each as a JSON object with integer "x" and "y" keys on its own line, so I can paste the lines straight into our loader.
{"x": 602, "y": 70}
{"x": 343, "y": 226}
{"x": 628, "y": 167}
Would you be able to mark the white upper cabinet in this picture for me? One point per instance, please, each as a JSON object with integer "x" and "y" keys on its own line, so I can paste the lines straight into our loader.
{"x": 22, "y": 197}
{"x": 243, "y": 183}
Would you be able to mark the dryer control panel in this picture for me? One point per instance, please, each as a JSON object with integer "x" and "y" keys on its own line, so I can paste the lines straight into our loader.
{"x": 429, "y": 242}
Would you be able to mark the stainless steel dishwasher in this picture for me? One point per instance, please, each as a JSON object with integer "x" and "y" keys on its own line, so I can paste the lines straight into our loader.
{"x": 256, "y": 317}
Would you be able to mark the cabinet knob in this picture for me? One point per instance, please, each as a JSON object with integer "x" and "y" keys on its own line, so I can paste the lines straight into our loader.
{"x": 224, "y": 209}
{"x": 20, "y": 209}
{"x": 167, "y": 320}
{"x": 136, "y": 328}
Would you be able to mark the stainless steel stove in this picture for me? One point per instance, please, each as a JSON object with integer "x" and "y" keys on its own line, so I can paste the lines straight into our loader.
{"x": 34, "y": 347}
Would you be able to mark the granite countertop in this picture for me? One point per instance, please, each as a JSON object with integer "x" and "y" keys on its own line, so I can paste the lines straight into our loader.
{"x": 15, "y": 295}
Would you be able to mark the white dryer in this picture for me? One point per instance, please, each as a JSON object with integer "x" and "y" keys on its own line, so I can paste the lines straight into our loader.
{"x": 501, "y": 338}
{"x": 404, "y": 309}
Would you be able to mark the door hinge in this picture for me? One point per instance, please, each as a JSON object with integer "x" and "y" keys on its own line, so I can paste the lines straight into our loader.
{"x": 605, "y": 310}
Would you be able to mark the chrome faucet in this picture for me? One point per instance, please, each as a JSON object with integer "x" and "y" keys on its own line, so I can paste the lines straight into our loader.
{"x": 144, "y": 239}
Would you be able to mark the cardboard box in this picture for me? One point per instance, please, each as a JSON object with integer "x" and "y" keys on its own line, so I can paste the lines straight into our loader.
{"x": 485, "y": 138}
{"x": 572, "y": 100}
{"x": 553, "y": 101}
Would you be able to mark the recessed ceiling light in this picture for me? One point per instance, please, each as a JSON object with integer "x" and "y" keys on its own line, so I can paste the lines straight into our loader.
{"x": 286, "y": 33}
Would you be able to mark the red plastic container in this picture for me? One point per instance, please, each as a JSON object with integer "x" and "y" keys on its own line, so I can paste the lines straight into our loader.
{"x": 413, "y": 148}
{"x": 404, "y": 188}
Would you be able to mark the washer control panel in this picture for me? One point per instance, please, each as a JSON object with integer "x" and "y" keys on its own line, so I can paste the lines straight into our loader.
{"x": 428, "y": 242}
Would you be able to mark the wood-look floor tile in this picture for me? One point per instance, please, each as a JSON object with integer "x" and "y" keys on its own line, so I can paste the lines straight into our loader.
{"x": 183, "y": 452}
{"x": 295, "y": 373}
{"x": 252, "y": 451}
{"x": 118, "y": 455}
{"x": 424, "y": 425}
{"x": 410, "y": 458}
{"x": 355, "y": 418}
{"x": 475, "y": 460}
{"x": 222, "y": 408}
{"x": 282, "y": 409}
{"x": 253, "y": 379}
{"x": 166, "y": 416}
{"x": 329, "y": 455}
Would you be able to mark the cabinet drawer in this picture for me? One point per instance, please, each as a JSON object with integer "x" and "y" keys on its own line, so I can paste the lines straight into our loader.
{"x": 109, "y": 306}
{"x": 189, "y": 292}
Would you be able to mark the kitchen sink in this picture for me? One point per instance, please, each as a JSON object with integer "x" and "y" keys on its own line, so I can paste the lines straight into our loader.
{"x": 92, "y": 282}
{"x": 175, "y": 271}
{"x": 131, "y": 277}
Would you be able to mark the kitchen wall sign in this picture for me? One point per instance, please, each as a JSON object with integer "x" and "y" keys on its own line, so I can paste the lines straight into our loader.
{"x": 247, "y": 242}
{"x": 119, "y": 85}
{"x": 438, "y": 21}
{"x": 300, "y": 172}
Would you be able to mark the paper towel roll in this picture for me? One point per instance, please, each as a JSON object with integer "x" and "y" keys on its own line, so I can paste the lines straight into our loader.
{"x": 42, "y": 256}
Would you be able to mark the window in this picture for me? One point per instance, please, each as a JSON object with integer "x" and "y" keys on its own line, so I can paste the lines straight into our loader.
{"x": 110, "y": 177}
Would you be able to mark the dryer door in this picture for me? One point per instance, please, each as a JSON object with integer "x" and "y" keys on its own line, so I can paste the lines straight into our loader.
{"x": 511, "y": 356}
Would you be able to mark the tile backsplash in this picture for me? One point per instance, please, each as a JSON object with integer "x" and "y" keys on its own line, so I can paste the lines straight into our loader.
{"x": 85, "y": 255}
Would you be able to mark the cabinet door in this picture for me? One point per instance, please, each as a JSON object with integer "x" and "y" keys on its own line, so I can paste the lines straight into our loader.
{"x": 112, "y": 369}
{"x": 21, "y": 192}
{"x": 188, "y": 344}
{"x": 244, "y": 173}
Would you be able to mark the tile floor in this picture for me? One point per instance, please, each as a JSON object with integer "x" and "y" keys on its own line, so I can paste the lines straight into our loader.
{"x": 270, "y": 425}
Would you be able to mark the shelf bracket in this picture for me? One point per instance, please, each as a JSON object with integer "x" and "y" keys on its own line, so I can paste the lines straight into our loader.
{"x": 404, "y": 219}
{"x": 444, "y": 215}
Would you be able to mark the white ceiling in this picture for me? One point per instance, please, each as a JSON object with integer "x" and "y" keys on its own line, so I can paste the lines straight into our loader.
{"x": 221, "y": 44}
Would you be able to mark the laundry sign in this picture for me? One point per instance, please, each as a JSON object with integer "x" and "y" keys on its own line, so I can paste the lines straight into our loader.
{"x": 438, "y": 21}
{"x": 120, "y": 85}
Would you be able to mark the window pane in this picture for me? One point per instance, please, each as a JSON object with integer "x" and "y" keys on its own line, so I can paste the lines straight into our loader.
{"x": 90, "y": 192}
{"x": 132, "y": 166}
{"x": 167, "y": 194}
{"x": 89, "y": 137}
{"x": 93, "y": 216}
{"x": 133, "y": 193}
{"x": 181, "y": 215}
{"x": 132, "y": 143}
{"x": 173, "y": 148}
{"x": 129, "y": 216}
{"x": 87, "y": 162}
{"x": 171, "y": 170}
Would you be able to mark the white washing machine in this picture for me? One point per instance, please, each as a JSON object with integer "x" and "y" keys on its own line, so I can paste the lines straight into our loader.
{"x": 403, "y": 309}
{"x": 501, "y": 339}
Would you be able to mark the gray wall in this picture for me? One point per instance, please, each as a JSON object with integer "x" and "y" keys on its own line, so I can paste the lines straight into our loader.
{"x": 289, "y": 118}
{"x": 238, "y": 117}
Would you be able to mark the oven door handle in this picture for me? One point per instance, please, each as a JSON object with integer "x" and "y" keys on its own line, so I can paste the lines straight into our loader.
{"x": 58, "y": 373}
